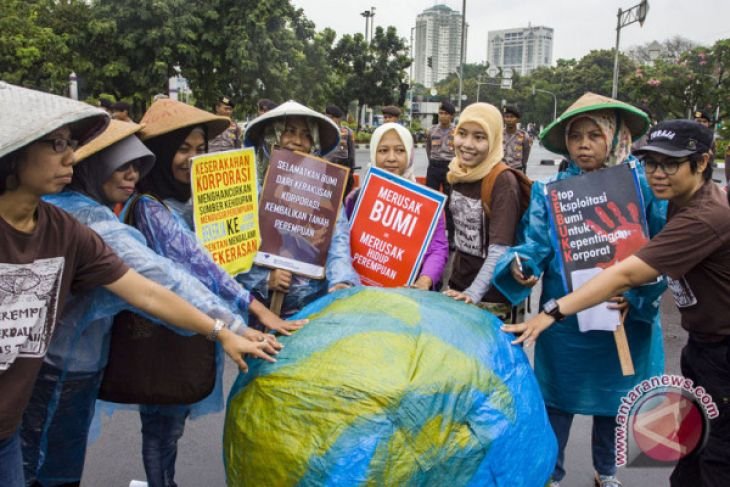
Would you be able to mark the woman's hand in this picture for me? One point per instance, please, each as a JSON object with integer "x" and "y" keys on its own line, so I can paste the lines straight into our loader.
{"x": 279, "y": 280}
{"x": 459, "y": 296}
{"x": 423, "y": 283}
{"x": 619, "y": 302}
{"x": 530, "y": 329}
{"x": 519, "y": 275}
{"x": 257, "y": 336}
{"x": 279, "y": 325}
{"x": 338, "y": 286}
{"x": 237, "y": 346}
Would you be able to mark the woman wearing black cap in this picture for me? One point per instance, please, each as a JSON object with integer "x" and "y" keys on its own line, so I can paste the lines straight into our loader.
{"x": 693, "y": 250}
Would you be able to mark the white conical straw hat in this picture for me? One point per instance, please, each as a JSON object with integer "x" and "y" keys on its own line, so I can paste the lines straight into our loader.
{"x": 27, "y": 115}
{"x": 329, "y": 133}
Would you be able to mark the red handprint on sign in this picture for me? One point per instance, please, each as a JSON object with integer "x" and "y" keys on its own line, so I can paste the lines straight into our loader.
{"x": 625, "y": 236}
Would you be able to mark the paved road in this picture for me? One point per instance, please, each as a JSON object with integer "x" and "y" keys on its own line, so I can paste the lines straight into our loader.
{"x": 115, "y": 458}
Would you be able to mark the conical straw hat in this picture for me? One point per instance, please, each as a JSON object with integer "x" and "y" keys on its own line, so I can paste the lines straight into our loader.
{"x": 166, "y": 115}
{"x": 27, "y": 115}
{"x": 553, "y": 136}
{"x": 329, "y": 133}
{"x": 116, "y": 131}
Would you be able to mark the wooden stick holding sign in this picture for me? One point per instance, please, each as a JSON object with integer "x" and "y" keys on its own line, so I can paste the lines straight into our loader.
{"x": 622, "y": 346}
{"x": 298, "y": 209}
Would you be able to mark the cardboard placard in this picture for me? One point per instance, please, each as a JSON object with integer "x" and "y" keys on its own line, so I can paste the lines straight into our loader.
{"x": 598, "y": 220}
{"x": 392, "y": 225}
{"x": 300, "y": 201}
{"x": 225, "y": 207}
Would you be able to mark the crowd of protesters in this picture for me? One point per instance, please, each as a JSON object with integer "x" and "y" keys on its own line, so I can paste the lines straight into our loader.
{"x": 98, "y": 249}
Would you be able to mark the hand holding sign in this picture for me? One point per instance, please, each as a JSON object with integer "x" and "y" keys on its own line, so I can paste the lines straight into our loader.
{"x": 625, "y": 236}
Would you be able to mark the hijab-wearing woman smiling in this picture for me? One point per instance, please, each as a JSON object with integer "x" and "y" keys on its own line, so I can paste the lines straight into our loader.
{"x": 391, "y": 149}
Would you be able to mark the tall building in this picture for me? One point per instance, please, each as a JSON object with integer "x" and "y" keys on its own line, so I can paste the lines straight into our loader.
{"x": 523, "y": 49}
{"x": 438, "y": 44}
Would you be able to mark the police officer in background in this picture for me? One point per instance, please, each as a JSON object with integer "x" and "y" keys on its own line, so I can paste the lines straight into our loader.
{"x": 440, "y": 151}
{"x": 231, "y": 137}
{"x": 705, "y": 119}
{"x": 517, "y": 142}
{"x": 344, "y": 154}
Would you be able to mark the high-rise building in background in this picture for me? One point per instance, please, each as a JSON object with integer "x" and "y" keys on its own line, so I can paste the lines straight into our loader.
{"x": 523, "y": 49}
{"x": 438, "y": 44}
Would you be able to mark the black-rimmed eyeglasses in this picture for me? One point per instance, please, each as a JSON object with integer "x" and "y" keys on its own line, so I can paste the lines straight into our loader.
{"x": 669, "y": 167}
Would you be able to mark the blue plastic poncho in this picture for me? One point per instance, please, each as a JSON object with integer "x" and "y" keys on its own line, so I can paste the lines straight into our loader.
{"x": 167, "y": 234}
{"x": 390, "y": 387}
{"x": 580, "y": 372}
{"x": 303, "y": 290}
{"x": 80, "y": 348}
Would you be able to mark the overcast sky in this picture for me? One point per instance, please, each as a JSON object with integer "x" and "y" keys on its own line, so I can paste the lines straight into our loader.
{"x": 580, "y": 25}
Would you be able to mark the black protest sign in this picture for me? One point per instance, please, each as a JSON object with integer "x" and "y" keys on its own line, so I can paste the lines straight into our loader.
{"x": 598, "y": 219}
{"x": 300, "y": 201}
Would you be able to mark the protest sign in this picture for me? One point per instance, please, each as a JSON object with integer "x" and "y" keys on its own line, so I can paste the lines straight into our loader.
{"x": 392, "y": 225}
{"x": 225, "y": 207}
{"x": 299, "y": 205}
{"x": 598, "y": 220}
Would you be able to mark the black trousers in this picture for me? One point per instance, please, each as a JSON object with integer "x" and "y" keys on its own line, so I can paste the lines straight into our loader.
{"x": 708, "y": 365}
{"x": 436, "y": 179}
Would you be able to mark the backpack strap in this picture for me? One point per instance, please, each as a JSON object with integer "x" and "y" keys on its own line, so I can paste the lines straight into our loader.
{"x": 488, "y": 182}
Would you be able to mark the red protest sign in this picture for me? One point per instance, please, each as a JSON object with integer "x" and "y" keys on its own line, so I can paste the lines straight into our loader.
{"x": 392, "y": 225}
{"x": 300, "y": 200}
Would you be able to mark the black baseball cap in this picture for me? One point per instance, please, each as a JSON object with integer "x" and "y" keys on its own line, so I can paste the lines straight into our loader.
{"x": 678, "y": 138}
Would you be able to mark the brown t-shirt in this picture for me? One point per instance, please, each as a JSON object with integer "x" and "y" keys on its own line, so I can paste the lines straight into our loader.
{"x": 473, "y": 232}
{"x": 693, "y": 250}
{"x": 37, "y": 271}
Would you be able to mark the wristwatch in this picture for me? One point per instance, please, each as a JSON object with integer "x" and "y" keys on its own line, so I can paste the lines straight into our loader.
{"x": 218, "y": 325}
{"x": 552, "y": 309}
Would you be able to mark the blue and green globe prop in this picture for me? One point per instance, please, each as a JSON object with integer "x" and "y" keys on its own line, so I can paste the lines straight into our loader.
{"x": 390, "y": 387}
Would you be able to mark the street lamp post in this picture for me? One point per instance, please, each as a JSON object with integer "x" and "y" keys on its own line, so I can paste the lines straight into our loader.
{"x": 367, "y": 14}
{"x": 410, "y": 105}
{"x": 463, "y": 48}
{"x": 555, "y": 100}
{"x": 637, "y": 13}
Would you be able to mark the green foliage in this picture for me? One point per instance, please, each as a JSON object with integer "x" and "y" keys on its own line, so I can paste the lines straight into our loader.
{"x": 250, "y": 49}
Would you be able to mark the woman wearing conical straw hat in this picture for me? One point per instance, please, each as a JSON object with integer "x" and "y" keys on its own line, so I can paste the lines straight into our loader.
{"x": 56, "y": 423}
{"x": 175, "y": 132}
{"x": 579, "y": 373}
{"x": 293, "y": 126}
{"x": 47, "y": 254}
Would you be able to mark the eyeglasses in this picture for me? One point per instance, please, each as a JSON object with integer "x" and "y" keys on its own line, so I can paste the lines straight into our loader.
{"x": 136, "y": 164}
{"x": 669, "y": 167}
{"x": 60, "y": 145}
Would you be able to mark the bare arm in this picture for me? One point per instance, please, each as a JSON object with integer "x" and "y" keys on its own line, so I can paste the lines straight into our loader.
{"x": 629, "y": 273}
{"x": 161, "y": 303}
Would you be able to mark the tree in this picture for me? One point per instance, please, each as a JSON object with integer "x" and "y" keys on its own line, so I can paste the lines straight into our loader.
{"x": 370, "y": 73}
{"x": 31, "y": 53}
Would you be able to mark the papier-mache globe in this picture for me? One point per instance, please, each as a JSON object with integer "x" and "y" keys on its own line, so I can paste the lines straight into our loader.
{"x": 390, "y": 387}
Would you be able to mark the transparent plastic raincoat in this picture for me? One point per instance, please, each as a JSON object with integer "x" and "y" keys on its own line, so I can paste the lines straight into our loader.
{"x": 81, "y": 342}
